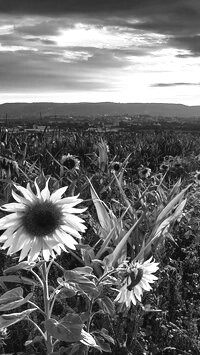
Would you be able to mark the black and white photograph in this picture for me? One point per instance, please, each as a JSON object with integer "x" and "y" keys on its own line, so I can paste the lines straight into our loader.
{"x": 100, "y": 177}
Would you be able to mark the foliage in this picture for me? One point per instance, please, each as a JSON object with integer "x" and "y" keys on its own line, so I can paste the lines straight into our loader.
{"x": 131, "y": 216}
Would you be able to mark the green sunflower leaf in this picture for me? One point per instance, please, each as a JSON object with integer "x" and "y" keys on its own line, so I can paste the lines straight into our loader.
{"x": 72, "y": 349}
{"x": 104, "y": 346}
{"x": 67, "y": 291}
{"x": 104, "y": 333}
{"x": 71, "y": 275}
{"x": 103, "y": 215}
{"x": 80, "y": 283}
{"x": 90, "y": 289}
{"x": 18, "y": 279}
{"x": 112, "y": 258}
{"x": 172, "y": 204}
{"x": 14, "y": 304}
{"x": 36, "y": 339}
{"x": 11, "y": 296}
{"x": 68, "y": 329}
{"x": 85, "y": 270}
{"x": 23, "y": 265}
{"x": 106, "y": 304}
{"x": 83, "y": 284}
{"x": 87, "y": 339}
{"x": 7, "y": 320}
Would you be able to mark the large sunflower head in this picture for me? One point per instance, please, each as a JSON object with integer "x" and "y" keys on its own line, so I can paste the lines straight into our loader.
{"x": 41, "y": 223}
{"x": 135, "y": 278}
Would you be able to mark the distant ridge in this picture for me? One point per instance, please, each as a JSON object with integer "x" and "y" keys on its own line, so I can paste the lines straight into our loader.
{"x": 37, "y": 109}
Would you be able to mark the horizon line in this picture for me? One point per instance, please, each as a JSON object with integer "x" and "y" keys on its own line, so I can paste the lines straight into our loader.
{"x": 97, "y": 102}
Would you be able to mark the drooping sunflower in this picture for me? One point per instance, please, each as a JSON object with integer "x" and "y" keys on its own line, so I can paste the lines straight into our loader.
{"x": 136, "y": 278}
{"x": 42, "y": 223}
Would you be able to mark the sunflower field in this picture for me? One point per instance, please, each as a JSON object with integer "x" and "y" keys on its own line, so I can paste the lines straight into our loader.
{"x": 99, "y": 242}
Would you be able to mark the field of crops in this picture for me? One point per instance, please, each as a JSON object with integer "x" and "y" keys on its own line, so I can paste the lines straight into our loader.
{"x": 130, "y": 284}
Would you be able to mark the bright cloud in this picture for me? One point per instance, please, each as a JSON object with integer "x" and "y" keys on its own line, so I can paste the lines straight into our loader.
{"x": 132, "y": 52}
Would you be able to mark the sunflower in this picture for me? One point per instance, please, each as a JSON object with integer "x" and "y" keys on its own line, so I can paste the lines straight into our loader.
{"x": 8, "y": 167}
{"x": 164, "y": 167}
{"x": 135, "y": 278}
{"x": 70, "y": 162}
{"x": 116, "y": 166}
{"x": 41, "y": 223}
{"x": 144, "y": 172}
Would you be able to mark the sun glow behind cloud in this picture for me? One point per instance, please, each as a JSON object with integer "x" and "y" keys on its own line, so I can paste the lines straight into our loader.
{"x": 85, "y": 58}
{"x": 107, "y": 37}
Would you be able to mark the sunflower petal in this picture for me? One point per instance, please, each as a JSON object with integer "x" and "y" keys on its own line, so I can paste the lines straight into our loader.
{"x": 128, "y": 299}
{"x": 56, "y": 195}
{"x": 73, "y": 199}
{"x": 47, "y": 252}
{"x": 137, "y": 293}
{"x": 20, "y": 199}
{"x": 38, "y": 192}
{"x": 133, "y": 299}
{"x": 45, "y": 193}
{"x": 25, "y": 250}
{"x": 73, "y": 210}
{"x": 70, "y": 230}
{"x": 57, "y": 249}
{"x": 18, "y": 242}
{"x": 145, "y": 285}
{"x": 66, "y": 239}
{"x": 7, "y": 233}
{"x": 13, "y": 207}
{"x": 26, "y": 193}
{"x": 74, "y": 222}
{"x": 20, "y": 237}
{"x": 9, "y": 220}
{"x": 35, "y": 249}
{"x": 8, "y": 242}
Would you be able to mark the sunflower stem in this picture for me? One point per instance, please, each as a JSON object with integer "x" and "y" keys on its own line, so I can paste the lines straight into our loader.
{"x": 89, "y": 321}
{"x": 36, "y": 326}
{"x": 49, "y": 344}
{"x": 53, "y": 299}
{"x": 49, "y": 266}
{"x": 59, "y": 266}
{"x": 35, "y": 305}
{"x": 37, "y": 277}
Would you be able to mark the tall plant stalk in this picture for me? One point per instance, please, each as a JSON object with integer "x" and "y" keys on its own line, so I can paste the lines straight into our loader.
{"x": 46, "y": 298}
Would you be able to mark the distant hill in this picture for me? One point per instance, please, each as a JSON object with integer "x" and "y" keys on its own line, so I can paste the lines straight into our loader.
{"x": 35, "y": 110}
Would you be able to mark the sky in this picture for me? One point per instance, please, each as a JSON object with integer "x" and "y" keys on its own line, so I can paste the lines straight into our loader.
{"x": 100, "y": 51}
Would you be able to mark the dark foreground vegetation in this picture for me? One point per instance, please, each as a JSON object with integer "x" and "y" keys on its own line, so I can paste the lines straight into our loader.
{"x": 142, "y": 170}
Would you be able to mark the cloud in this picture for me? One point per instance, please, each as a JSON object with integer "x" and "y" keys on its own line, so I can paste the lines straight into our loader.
{"x": 89, "y": 45}
{"x": 44, "y": 53}
{"x": 42, "y": 26}
{"x": 64, "y": 7}
{"x": 177, "y": 20}
{"x": 57, "y": 71}
{"x": 191, "y": 43}
{"x": 163, "y": 85}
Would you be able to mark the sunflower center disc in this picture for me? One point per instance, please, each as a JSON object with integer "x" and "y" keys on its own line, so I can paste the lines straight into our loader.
{"x": 42, "y": 219}
{"x": 135, "y": 279}
{"x": 69, "y": 163}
